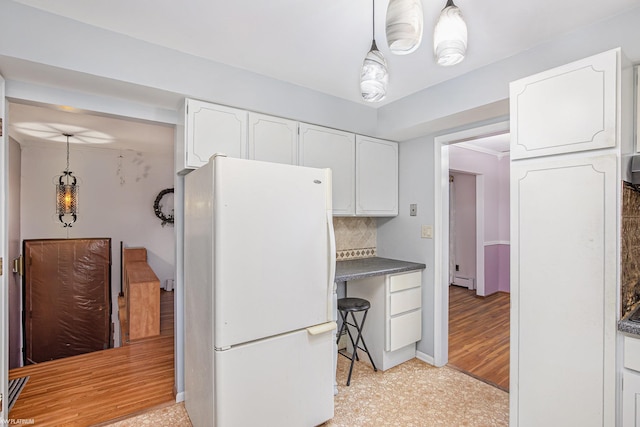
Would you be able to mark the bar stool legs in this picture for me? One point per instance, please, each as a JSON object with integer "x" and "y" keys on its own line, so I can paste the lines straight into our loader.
{"x": 354, "y": 305}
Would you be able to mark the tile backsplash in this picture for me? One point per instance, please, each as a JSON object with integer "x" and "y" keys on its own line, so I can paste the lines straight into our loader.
{"x": 355, "y": 237}
{"x": 630, "y": 249}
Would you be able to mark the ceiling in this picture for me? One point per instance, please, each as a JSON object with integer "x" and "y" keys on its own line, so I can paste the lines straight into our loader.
{"x": 321, "y": 45}
{"x": 496, "y": 145}
{"x": 35, "y": 125}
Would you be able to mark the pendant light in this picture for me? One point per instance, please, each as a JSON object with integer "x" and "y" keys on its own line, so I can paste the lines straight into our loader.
{"x": 67, "y": 194}
{"x": 404, "y": 25}
{"x": 450, "y": 36}
{"x": 374, "y": 77}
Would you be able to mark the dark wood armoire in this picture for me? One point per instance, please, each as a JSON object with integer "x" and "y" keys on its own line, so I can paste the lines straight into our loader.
{"x": 67, "y": 297}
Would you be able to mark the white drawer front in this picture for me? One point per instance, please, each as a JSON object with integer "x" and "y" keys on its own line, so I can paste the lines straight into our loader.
{"x": 632, "y": 353}
{"x": 405, "y": 301}
{"x": 404, "y": 330}
{"x": 404, "y": 281}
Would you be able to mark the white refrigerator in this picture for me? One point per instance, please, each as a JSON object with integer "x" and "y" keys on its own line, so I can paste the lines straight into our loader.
{"x": 259, "y": 291}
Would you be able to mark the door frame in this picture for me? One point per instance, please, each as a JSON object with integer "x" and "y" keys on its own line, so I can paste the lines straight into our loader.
{"x": 441, "y": 240}
{"x": 4, "y": 252}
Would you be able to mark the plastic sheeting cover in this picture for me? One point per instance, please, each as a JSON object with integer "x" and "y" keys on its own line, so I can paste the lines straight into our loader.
{"x": 67, "y": 297}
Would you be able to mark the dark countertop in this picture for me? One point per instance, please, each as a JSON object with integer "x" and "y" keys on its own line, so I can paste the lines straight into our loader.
{"x": 627, "y": 326}
{"x": 367, "y": 267}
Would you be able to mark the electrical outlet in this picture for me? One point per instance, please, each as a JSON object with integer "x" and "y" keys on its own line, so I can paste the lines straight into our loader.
{"x": 426, "y": 232}
{"x": 413, "y": 209}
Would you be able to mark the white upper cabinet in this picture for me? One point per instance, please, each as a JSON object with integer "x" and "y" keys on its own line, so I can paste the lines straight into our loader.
{"x": 567, "y": 109}
{"x": 376, "y": 177}
{"x": 322, "y": 147}
{"x": 210, "y": 129}
{"x": 273, "y": 139}
{"x": 370, "y": 164}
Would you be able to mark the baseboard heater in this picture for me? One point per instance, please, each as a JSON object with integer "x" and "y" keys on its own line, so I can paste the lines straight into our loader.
{"x": 465, "y": 282}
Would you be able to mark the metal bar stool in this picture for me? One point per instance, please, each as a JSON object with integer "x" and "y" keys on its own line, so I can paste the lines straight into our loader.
{"x": 354, "y": 305}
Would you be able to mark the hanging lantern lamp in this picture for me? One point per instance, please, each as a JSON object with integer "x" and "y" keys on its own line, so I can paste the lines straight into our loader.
{"x": 67, "y": 194}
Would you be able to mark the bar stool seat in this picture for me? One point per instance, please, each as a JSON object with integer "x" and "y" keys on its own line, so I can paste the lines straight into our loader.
{"x": 354, "y": 305}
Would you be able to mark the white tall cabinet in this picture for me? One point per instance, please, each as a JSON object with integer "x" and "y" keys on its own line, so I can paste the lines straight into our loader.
{"x": 565, "y": 184}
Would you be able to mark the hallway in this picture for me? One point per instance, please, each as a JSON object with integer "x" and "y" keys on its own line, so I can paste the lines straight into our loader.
{"x": 479, "y": 335}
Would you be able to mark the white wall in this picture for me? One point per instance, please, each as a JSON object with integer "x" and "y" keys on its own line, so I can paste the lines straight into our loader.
{"x": 116, "y": 197}
{"x": 399, "y": 237}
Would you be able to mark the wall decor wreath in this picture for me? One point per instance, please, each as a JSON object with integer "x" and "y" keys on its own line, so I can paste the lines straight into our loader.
{"x": 157, "y": 208}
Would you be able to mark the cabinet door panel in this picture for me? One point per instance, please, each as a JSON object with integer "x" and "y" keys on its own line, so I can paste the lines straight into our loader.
{"x": 399, "y": 282}
{"x": 404, "y": 330}
{"x": 563, "y": 290}
{"x": 632, "y": 353}
{"x": 405, "y": 301}
{"x": 631, "y": 399}
{"x": 567, "y": 109}
{"x": 272, "y": 139}
{"x": 329, "y": 148}
{"x": 214, "y": 129}
{"x": 376, "y": 177}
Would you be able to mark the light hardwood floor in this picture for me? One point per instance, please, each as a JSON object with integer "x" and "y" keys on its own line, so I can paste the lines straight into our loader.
{"x": 97, "y": 387}
{"x": 479, "y": 335}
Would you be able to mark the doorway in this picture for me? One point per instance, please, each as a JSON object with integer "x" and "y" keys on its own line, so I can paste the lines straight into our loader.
{"x": 442, "y": 149}
{"x": 465, "y": 227}
{"x": 121, "y": 165}
{"x": 479, "y": 253}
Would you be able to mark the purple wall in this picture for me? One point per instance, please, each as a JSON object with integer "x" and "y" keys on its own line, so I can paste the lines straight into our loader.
{"x": 496, "y": 269}
{"x": 496, "y": 172}
{"x": 504, "y": 273}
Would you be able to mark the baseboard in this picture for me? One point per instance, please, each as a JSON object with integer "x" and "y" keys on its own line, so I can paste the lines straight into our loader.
{"x": 425, "y": 358}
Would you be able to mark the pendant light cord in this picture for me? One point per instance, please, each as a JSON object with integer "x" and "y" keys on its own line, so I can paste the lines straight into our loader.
{"x": 67, "y": 153}
{"x": 67, "y": 171}
{"x": 373, "y": 20}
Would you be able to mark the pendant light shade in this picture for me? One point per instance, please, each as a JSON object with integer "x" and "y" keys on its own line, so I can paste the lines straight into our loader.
{"x": 404, "y": 25}
{"x": 67, "y": 194}
{"x": 450, "y": 36}
{"x": 374, "y": 77}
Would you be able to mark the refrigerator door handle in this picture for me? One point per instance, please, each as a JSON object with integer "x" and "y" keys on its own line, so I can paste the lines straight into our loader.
{"x": 322, "y": 328}
{"x": 331, "y": 286}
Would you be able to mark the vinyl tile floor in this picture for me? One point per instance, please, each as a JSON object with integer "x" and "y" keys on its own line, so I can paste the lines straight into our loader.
{"x": 413, "y": 394}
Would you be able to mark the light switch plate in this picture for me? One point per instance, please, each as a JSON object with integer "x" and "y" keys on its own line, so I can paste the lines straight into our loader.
{"x": 427, "y": 232}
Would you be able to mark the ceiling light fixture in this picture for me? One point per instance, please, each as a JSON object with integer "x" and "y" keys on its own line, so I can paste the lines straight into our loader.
{"x": 450, "y": 36}
{"x": 404, "y": 25}
{"x": 374, "y": 77}
{"x": 67, "y": 194}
